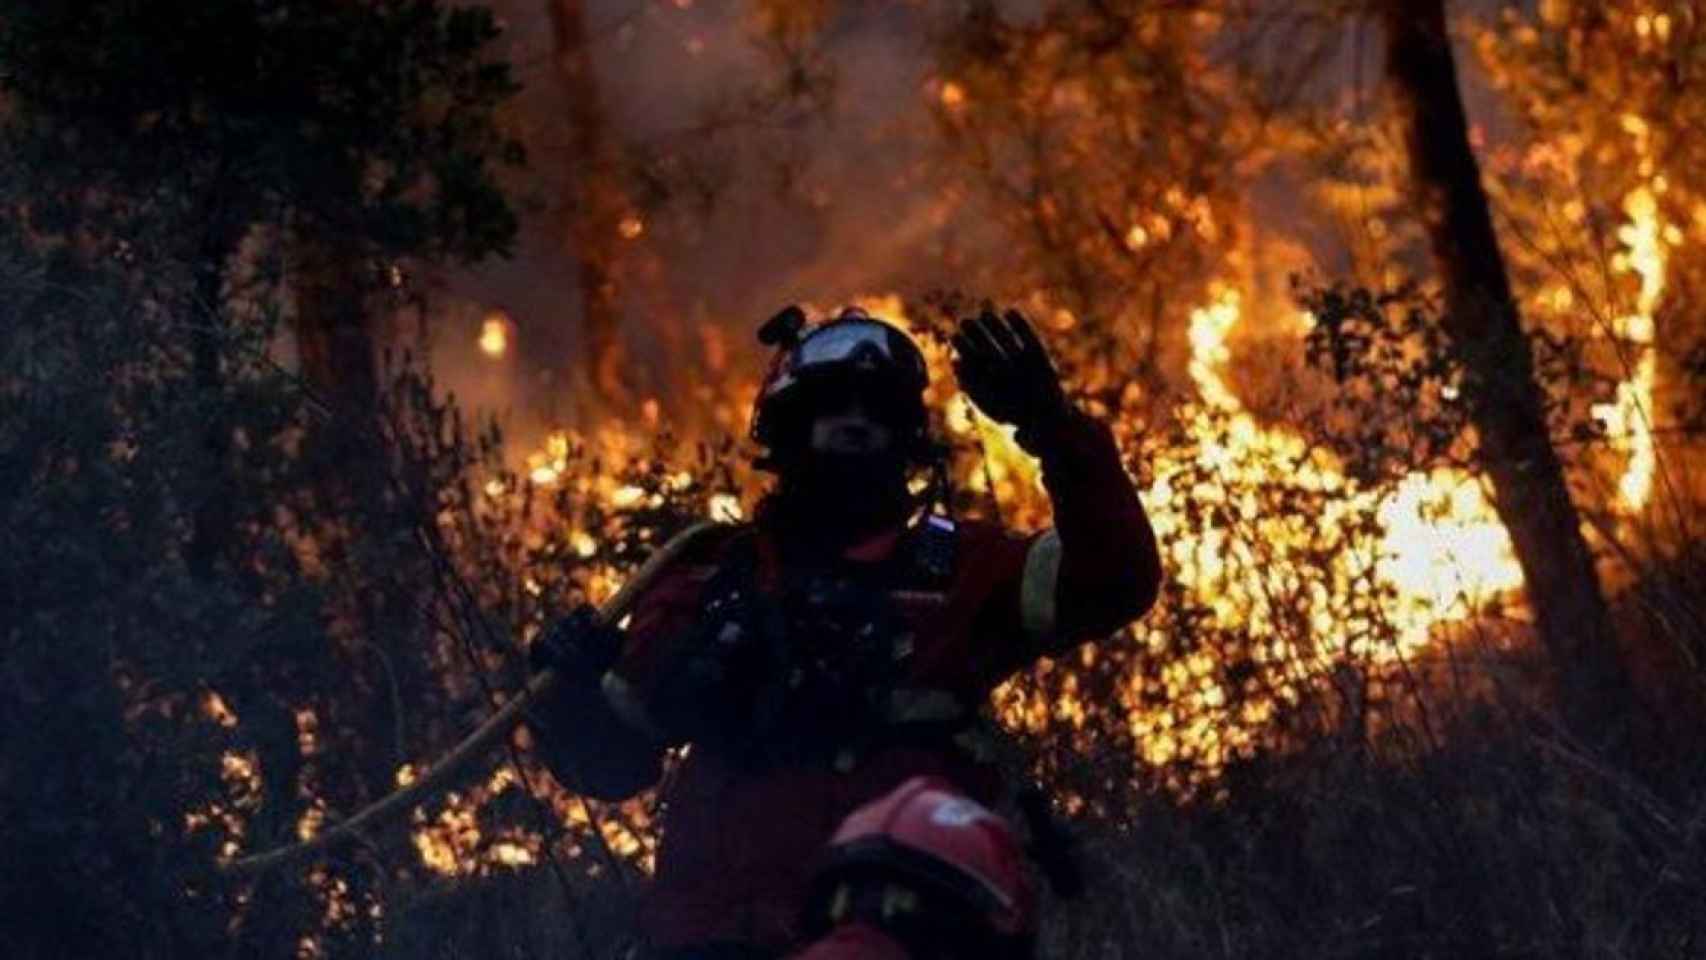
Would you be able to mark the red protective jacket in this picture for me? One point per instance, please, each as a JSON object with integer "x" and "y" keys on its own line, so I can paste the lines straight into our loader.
{"x": 738, "y": 846}
{"x": 855, "y": 941}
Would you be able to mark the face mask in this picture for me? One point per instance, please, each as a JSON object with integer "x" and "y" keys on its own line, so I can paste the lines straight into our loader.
{"x": 837, "y": 496}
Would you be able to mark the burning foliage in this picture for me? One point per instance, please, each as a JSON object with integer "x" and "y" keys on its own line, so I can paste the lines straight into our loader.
{"x": 1330, "y": 735}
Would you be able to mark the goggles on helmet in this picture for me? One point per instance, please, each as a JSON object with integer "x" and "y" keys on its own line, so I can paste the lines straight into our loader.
{"x": 854, "y": 342}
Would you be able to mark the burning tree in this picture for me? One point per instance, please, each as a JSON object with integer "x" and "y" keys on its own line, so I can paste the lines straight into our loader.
{"x": 1505, "y": 400}
{"x": 1602, "y": 205}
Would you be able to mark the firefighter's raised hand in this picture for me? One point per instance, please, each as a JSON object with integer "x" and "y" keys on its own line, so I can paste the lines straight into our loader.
{"x": 1004, "y": 369}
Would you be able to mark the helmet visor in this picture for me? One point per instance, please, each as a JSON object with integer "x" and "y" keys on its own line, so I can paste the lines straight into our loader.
{"x": 859, "y": 343}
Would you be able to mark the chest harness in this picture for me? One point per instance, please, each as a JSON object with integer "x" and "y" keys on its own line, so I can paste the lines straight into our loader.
{"x": 815, "y": 666}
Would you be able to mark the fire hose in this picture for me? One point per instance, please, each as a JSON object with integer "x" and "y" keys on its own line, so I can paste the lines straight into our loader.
{"x": 476, "y": 744}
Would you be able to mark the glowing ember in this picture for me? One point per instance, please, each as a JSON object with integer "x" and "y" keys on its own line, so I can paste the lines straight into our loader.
{"x": 307, "y": 732}
{"x": 494, "y": 336}
{"x": 446, "y": 844}
{"x": 309, "y": 824}
{"x": 451, "y": 843}
{"x": 512, "y": 854}
{"x": 213, "y": 707}
{"x": 238, "y": 769}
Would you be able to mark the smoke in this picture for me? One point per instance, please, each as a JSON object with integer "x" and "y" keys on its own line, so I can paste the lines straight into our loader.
{"x": 755, "y": 200}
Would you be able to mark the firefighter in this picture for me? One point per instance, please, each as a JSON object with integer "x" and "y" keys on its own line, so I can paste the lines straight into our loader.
{"x": 841, "y": 643}
{"x": 924, "y": 873}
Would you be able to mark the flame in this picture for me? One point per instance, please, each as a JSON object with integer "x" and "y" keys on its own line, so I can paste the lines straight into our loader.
{"x": 1441, "y": 544}
{"x": 1441, "y": 548}
{"x": 446, "y": 843}
{"x": 1438, "y": 549}
{"x": 1442, "y": 541}
{"x": 724, "y": 508}
{"x": 452, "y": 844}
{"x": 494, "y": 336}
{"x": 1628, "y": 419}
{"x": 583, "y": 543}
{"x": 547, "y": 465}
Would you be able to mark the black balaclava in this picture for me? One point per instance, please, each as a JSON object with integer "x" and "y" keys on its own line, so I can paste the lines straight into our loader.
{"x": 831, "y": 500}
{"x": 834, "y": 499}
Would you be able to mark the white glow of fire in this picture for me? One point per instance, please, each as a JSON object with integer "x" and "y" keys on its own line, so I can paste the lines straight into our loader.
{"x": 1628, "y": 419}
{"x": 494, "y": 336}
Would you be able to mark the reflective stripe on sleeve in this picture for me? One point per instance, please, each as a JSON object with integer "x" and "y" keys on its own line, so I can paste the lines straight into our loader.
{"x": 1037, "y": 588}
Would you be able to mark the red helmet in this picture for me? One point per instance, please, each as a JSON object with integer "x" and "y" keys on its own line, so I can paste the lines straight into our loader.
{"x": 854, "y": 351}
{"x": 929, "y": 834}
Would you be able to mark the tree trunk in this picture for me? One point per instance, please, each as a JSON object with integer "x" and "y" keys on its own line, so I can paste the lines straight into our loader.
{"x": 215, "y": 516}
{"x": 593, "y": 203}
{"x": 1506, "y": 403}
{"x": 332, "y": 325}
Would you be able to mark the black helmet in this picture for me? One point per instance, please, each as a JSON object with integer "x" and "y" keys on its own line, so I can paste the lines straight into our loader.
{"x": 854, "y": 351}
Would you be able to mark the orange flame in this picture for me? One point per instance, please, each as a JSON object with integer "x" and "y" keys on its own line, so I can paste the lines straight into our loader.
{"x": 1441, "y": 550}
{"x": 1628, "y": 419}
{"x": 494, "y": 336}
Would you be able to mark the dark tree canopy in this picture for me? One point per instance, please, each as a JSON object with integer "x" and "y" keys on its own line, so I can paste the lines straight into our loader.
{"x": 373, "y": 119}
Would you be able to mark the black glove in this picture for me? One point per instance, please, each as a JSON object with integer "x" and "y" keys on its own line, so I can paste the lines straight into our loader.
{"x": 579, "y": 647}
{"x": 1004, "y": 369}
